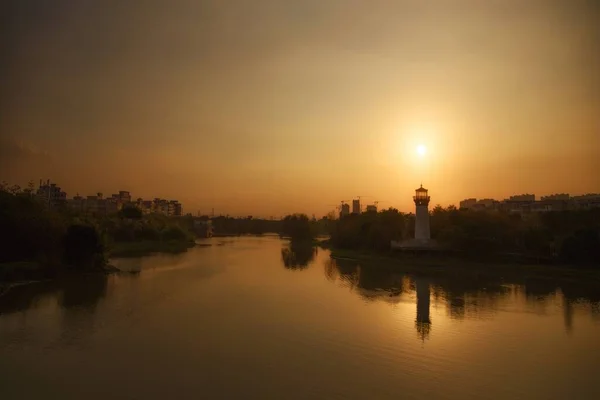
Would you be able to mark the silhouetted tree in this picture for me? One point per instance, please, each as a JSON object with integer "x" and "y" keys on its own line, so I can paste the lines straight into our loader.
{"x": 130, "y": 212}
{"x": 297, "y": 227}
{"x": 83, "y": 247}
{"x": 371, "y": 230}
{"x": 583, "y": 247}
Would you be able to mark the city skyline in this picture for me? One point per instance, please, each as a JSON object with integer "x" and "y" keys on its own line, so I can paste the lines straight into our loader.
{"x": 357, "y": 204}
{"x": 273, "y": 107}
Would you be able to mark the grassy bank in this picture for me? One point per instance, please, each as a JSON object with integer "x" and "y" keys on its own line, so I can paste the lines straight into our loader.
{"x": 146, "y": 247}
{"x": 23, "y": 272}
{"x": 438, "y": 265}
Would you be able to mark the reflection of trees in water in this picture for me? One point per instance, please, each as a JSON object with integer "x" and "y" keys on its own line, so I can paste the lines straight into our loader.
{"x": 464, "y": 296}
{"x": 298, "y": 256}
{"x": 471, "y": 297}
{"x": 568, "y": 314}
{"x": 84, "y": 291}
{"x": 77, "y": 298}
{"x": 423, "y": 320}
{"x": 346, "y": 270}
{"x": 25, "y": 297}
{"x": 369, "y": 283}
{"x": 330, "y": 270}
{"x": 79, "y": 301}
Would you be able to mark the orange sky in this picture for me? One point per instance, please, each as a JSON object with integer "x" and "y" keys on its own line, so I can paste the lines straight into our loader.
{"x": 270, "y": 107}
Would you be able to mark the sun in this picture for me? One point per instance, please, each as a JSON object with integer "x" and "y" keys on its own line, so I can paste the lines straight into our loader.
{"x": 421, "y": 150}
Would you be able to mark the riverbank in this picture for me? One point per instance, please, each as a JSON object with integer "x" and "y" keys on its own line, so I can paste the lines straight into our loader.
{"x": 33, "y": 271}
{"x": 147, "y": 247}
{"x": 443, "y": 265}
{"x": 28, "y": 272}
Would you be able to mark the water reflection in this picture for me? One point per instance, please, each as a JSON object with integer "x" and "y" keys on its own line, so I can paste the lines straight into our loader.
{"x": 84, "y": 292}
{"x": 297, "y": 256}
{"x": 78, "y": 302}
{"x": 235, "y": 314}
{"x": 370, "y": 283}
{"x": 465, "y": 297}
{"x": 79, "y": 292}
{"x": 423, "y": 321}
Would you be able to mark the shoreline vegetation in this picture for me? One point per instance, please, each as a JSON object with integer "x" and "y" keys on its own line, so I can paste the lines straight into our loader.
{"x": 148, "y": 247}
{"x": 42, "y": 242}
{"x": 444, "y": 265}
{"x": 47, "y": 242}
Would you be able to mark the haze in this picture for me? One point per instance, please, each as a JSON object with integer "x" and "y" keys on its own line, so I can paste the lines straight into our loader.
{"x": 270, "y": 107}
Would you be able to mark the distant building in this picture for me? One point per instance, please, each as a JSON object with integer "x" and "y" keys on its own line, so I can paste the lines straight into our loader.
{"x": 526, "y": 203}
{"x": 356, "y": 206}
{"x": 175, "y": 209}
{"x": 203, "y": 228}
{"x": 549, "y": 205}
{"x": 586, "y": 201}
{"x": 522, "y": 198}
{"x": 479, "y": 205}
{"x": 95, "y": 205}
{"x": 51, "y": 194}
{"x": 124, "y": 197}
{"x": 486, "y": 204}
{"x": 371, "y": 208}
{"x": 518, "y": 204}
{"x": 160, "y": 206}
{"x": 345, "y": 210}
{"x": 468, "y": 204}
{"x": 77, "y": 203}
{"x": 147, "y": 206}
{"x": 98, "y": 205}
{"x": 558, "y": 196}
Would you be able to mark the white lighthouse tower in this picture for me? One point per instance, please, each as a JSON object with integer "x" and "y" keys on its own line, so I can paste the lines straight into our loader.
{"x": 422, "y": 232}
{"x": 422, "y": 240}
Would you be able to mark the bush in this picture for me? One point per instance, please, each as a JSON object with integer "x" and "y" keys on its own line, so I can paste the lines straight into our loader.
{"x": 297, "y": 227}
{"x": 83, "y": 247}
{"x": 130, "y": 212}
{"x": 29, "y": 230}
{"x": 372, "y": 231}
{"x": 583, "y": 247}
{"x": 174, "y": 233}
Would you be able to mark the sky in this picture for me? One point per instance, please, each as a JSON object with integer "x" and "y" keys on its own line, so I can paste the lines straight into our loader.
{"x": 271, "y": 107}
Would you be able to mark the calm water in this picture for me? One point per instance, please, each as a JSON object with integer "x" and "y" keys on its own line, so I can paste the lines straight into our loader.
{"x": 244, "y": 319}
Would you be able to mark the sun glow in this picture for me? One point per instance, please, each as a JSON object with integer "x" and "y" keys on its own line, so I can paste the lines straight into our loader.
{"x": 421, "y": 150}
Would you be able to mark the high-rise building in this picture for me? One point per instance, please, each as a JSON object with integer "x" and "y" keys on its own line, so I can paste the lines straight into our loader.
{"x": 345, "y": 211}
{"x": 356, "y": 206}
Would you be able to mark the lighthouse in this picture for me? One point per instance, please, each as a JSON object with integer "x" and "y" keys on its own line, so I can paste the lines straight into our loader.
{"x": 422, "y": 240}
{"x": 422, "y": 232}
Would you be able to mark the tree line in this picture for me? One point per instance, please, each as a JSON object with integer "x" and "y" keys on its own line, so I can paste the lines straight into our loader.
{"x": 565, "y": 236}
{"x": 39, "y": 241}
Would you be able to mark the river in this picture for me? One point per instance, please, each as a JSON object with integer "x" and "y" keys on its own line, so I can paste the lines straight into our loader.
{"x": 243, "y": 318}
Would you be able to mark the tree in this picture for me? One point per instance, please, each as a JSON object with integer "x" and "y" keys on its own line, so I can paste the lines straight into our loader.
{"x": 297, "y": 227}
{"x": 83, "y": 248}
{"x": 30, "y": 188}
{"x": 583, "y": 247}
{"x": 130, "y": 212}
